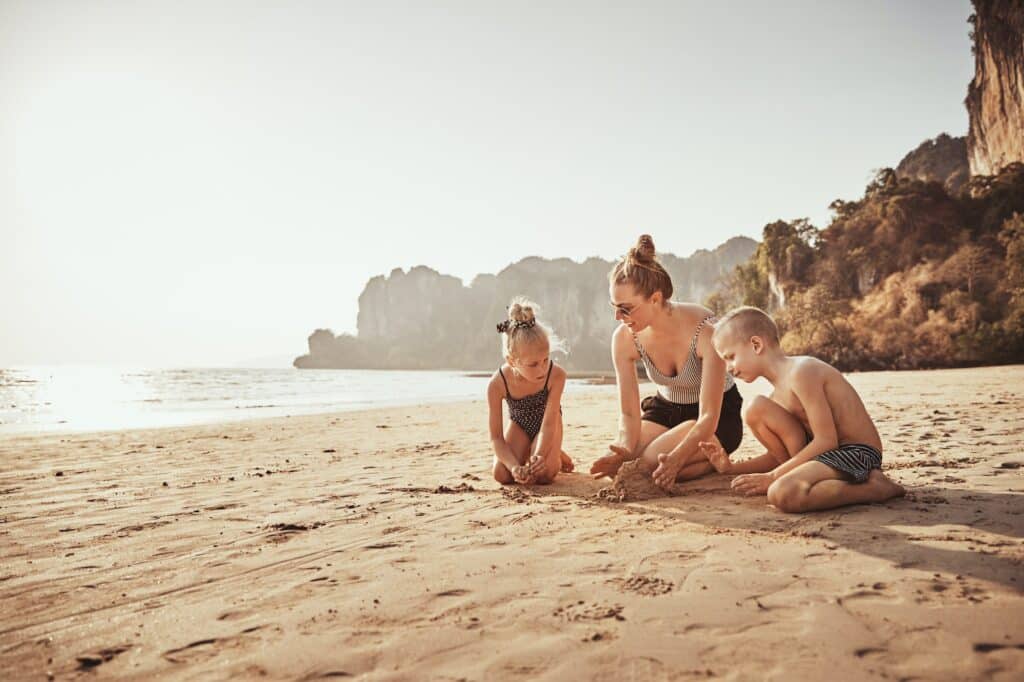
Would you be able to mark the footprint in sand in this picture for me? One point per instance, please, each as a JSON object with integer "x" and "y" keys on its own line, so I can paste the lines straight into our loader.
{"x": 648, "y": 586}
{"x": 581, "y": 611}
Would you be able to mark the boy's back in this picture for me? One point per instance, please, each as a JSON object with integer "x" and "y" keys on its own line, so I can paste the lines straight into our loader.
{"x": 807, "y": 375}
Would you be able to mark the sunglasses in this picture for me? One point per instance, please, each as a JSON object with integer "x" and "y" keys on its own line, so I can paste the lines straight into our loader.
{"x": 623, "y": 309}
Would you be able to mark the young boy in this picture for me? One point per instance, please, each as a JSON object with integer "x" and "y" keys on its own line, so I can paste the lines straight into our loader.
{"x": 823, "y": 450}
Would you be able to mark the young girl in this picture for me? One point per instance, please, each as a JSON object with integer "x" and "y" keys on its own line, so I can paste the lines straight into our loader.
{"x": 530, "y": 449}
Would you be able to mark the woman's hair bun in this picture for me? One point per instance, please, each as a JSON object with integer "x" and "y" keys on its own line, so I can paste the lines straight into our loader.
{"x": 643, "y": 252}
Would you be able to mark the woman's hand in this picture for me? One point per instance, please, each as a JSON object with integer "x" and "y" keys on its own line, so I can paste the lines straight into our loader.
{"x": 609, "y": 464}
{"x": 668, "y": 468}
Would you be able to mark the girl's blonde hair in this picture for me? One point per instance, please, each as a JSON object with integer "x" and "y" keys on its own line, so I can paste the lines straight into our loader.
{"x": 641, "y": 268}
{"x": 521, "y": 329}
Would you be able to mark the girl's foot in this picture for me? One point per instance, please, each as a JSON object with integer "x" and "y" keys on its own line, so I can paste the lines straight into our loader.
{"x": 567, "y": 464}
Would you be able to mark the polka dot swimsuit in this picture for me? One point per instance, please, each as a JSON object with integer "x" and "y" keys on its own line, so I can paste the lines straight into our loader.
{"x": 528, "y": 411}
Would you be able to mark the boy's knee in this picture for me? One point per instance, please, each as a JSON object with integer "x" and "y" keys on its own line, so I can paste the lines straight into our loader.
{"x": 787, "y": 495}
{"x": 755, "y": 413}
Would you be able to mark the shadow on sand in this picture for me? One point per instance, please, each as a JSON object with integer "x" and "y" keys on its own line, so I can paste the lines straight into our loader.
{"x": 906, "y": 531}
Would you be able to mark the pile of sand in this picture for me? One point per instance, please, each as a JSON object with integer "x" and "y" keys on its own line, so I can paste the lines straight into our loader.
{"x": 633, "y": 483}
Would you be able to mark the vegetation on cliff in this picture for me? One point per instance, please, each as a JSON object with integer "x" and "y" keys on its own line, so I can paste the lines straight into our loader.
{"x": 908, "y": 276}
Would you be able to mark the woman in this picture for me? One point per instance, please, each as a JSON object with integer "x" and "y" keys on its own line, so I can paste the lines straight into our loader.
{"x": 697, "y": 400}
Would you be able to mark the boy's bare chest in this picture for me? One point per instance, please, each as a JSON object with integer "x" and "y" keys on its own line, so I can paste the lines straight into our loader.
{"x": 785, "y": 397}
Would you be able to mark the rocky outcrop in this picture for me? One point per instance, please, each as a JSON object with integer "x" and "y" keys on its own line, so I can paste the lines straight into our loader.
{"x": 995, "y": 97}
{"x": 942, "y": 160}
{"x": 422, "y": 319}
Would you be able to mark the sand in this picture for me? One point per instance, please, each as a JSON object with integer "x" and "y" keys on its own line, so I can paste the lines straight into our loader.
{"x": 375, "y": 545}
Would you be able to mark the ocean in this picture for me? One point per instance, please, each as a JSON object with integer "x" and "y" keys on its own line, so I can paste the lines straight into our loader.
{"x": 77, "y": 398}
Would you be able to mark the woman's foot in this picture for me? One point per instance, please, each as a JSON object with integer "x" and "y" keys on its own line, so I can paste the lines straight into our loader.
{"x": 718, "y": 457}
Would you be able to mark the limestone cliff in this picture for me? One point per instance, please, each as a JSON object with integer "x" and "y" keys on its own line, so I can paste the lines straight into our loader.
{"x": 995, "y": 97}
{"x": 942, "y": 160}
{"x": 422, "y": 319}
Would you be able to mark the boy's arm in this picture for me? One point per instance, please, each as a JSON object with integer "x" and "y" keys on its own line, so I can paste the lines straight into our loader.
{"x": 551, "y": 414}
{"x": 501, "y": 449}
{"x": 809, "y": 387}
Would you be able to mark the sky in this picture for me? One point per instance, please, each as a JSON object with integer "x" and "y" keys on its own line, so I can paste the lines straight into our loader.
{"x": 205, "y": 183}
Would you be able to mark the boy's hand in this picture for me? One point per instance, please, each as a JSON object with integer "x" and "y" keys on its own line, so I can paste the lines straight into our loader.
{"x": 609, "y": 464}
{"x": 752, "y": 484}
{"x": 665, "y": 475}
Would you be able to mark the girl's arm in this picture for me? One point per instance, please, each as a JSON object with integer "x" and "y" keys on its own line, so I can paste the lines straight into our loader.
{"x": 552, "y": 413}
{"x": 495, "y": 394}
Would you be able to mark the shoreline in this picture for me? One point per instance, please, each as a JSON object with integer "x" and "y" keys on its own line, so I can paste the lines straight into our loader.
{"x": 600, "y": 382}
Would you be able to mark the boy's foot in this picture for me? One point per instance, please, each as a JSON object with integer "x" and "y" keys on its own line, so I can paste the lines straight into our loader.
{"x": 718, "y": 457}
{"x": 884, "y": 487}
{"x": 567, "y": 464}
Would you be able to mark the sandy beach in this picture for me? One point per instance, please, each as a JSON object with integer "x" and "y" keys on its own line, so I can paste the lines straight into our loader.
{"x": 375, "y": 545}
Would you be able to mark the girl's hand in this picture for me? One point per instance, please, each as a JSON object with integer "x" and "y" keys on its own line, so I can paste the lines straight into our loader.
{"x": 522, "y": 475}
{"x": 536, "y": 465}
{"x": 609, "y": 464}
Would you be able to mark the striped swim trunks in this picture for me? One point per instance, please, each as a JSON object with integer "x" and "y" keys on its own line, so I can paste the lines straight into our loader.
{"x": 855, "y": 460}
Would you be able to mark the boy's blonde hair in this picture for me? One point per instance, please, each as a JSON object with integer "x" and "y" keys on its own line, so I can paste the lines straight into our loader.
{"x": 522, "y": 329}
{"x": 641, "y": 268}
{"x": 748, "y": 321}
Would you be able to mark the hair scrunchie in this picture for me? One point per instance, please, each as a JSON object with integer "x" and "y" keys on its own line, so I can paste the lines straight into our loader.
{"x": 505, "y": 326}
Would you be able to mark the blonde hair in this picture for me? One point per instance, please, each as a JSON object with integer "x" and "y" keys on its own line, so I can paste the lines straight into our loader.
{"x": 640, "y": 267}
{"x": 521, "y": 329}
{"x": 748, "y": 321}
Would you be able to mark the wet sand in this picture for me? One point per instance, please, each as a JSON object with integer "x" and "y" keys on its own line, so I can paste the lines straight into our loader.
{"x": 374, "y": 545}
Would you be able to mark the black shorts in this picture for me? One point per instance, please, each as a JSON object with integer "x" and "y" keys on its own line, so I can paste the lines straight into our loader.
{"x": 669, "y": 414}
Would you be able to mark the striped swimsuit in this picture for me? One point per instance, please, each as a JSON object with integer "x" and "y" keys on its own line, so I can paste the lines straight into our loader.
{"x": 528, "y": 411}
{"x": 684, "y": 386}
{"x": 854, "y": 460}
{"x": 678, "y": 397}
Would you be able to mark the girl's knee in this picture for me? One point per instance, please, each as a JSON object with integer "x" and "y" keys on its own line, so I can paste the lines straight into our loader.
{"x": 502, "y": 475}
{"x": 554, "y": 466}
